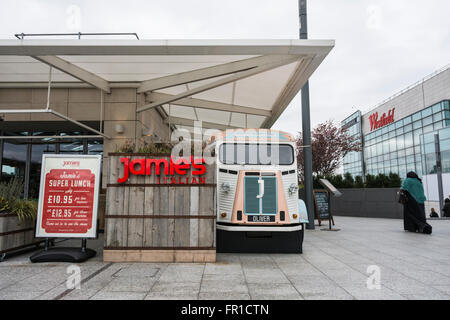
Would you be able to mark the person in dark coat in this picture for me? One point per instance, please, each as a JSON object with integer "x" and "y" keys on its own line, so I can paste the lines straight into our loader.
{"x": 446, "y": 208}
{"x": 414, "y": 219}
{"x": 433, "y": 214}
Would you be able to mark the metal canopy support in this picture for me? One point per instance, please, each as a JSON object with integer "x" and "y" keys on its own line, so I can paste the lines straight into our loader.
{"x": 56, "y": 114}
{"x": 75, "y": 71}
{"x": 190, "y": 123}
{"x": 306, "y": 128}
{"x": 282, "y": 60}
{"x": 206, "y": 73}
{"x": 206, "y": 104}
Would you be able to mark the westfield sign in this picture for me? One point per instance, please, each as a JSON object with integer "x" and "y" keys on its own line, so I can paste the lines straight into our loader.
{"x": 376, "y": 123}
{"x": 171, "y": 173}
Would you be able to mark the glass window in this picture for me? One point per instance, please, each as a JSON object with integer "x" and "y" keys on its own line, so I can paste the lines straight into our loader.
{"x": 417, "y": 124}
{"x": 417, "y": 134}
{"x": 400, "y": 142}
{"x": 437, "y": 116}
{"x": 399, "y": 124}
{"x": 408, "y": 139}
{"x": 392, "y": 145}
{"x": 444, "y": 134}
{"x": 409, "y": 151}
{"x": 430, "y": 163}
{"x": 428, "y": 129}
{"x": 446, "y": 105}
{"x": 426, "y": 112}
{"x": 37, "y": 150}
{"x": 437, "y": 107}
{"x": 416, "y": 116}
{"x": 407, "y": 128}
{"x": 407, "y": 120}
{"x": 445, "y": 160}
{"x": 75, "y": 147}
{"x": 429, "y": 148}
{"x": 14, "y": 159}
{"x": 426, "y": 121}
{"x": 399, "y": 131}
{"x": 237, "y": 153}
{"x": 444, "y": 144}
{"x": 437, "y": 125}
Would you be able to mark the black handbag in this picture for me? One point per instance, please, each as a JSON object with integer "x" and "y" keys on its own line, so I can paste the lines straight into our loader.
{"x": 402, "y": 197}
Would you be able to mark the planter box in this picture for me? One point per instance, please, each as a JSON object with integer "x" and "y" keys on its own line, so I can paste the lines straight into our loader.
{"x": 15, "y": 235}
{"x": 148, "y": 220}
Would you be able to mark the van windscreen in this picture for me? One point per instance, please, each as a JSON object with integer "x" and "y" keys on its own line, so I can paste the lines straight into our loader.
{"x": 259, "y": 154}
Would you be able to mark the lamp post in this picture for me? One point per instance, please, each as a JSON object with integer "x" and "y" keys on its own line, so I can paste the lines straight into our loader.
{"x": 306, "y": 128}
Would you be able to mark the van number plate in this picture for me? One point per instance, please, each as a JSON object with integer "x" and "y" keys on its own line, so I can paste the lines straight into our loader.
{"x": 261, "y": 218}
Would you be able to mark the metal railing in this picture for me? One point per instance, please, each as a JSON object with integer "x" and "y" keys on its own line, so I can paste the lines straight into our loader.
{"x": 22, "y": 35}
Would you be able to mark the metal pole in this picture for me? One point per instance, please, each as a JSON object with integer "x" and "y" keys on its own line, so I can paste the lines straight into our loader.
{"x": 306, "y": 128}
{"x": 439, "y": 172}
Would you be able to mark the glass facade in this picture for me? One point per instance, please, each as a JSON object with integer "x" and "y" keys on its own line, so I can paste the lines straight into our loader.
{"x": 428, "y": 148}
{"x": 23, "y": 157}
{"x": 353, "y": 161}
{"x": 397, "y": 147}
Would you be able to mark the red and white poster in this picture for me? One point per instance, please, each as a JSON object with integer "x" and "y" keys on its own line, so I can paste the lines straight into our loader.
{"x": 68, "y": 197}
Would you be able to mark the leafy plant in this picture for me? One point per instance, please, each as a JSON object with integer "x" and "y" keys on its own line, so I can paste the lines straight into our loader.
{"x": 127, "y": 147}
{"x": 11, "y": 190}
{"x": 155, "y": 148}
{"x": 25, "y": 209}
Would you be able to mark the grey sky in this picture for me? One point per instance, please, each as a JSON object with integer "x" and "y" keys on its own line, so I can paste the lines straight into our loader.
{"x": 382, "y": 46}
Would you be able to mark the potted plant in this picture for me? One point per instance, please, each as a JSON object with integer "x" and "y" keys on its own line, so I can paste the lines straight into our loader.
{"x": 17, "y": 218}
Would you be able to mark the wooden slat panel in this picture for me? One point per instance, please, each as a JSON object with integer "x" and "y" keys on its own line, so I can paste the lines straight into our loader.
{"x": 182, "y": 230}
{"x": 194, "y": 209}
{"x": 148, "y": 210}
{"x": 144, "y": 215}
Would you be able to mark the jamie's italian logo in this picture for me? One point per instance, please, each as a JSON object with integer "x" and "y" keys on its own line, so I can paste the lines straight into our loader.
{"x": 180, "y": 167}
{"x": 376, "y": 123}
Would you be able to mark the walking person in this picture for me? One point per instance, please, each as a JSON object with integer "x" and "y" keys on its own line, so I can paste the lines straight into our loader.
{"x": 414, "y": 219}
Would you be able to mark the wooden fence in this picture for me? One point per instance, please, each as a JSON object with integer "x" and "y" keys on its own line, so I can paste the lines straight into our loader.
{"x": 159, "y": 222}
{"x": 14, "y": 235}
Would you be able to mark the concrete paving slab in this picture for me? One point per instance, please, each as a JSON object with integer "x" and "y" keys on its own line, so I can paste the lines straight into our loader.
{"x": 333, "y": 266}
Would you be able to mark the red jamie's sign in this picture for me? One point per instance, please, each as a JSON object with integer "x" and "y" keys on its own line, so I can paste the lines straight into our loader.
{"x": 170, "y": 173}
{"x": 376, "y": 123}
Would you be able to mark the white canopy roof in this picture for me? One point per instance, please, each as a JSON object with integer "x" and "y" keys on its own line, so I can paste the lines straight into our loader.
{"x": 224, "y": 83}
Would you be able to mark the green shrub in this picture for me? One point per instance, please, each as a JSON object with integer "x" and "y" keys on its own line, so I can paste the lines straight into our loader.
{"x": 127, "y": 147}
{"x": 25, "y": 209}
{"x": 395, "y": 180}
{"x": 381, "y": 180}
{"x": 11, "y": 190}
{"x": 348, "y": 182}
{"x": 359, "y": 183}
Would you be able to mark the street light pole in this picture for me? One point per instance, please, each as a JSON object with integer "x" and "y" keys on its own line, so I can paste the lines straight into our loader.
{"x": 306, "y": 128}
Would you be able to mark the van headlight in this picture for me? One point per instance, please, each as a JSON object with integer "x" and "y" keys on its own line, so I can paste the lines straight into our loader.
{"x": 293, "y": 188}
{"x": 225, "y": 186}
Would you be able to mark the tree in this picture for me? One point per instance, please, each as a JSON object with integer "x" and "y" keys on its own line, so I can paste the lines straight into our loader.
{"x": 329, "y": 145}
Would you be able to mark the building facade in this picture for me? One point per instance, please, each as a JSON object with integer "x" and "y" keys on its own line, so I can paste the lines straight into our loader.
{"x": 391, "y": 133}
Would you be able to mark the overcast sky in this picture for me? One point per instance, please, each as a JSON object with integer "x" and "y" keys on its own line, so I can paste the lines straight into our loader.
{"x": 382, "y": 46}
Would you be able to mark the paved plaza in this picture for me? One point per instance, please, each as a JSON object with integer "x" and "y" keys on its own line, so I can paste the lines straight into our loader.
{"x": 333, "y": 266}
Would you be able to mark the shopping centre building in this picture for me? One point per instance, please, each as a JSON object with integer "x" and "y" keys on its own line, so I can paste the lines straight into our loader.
{"x": 398, "y": 135}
